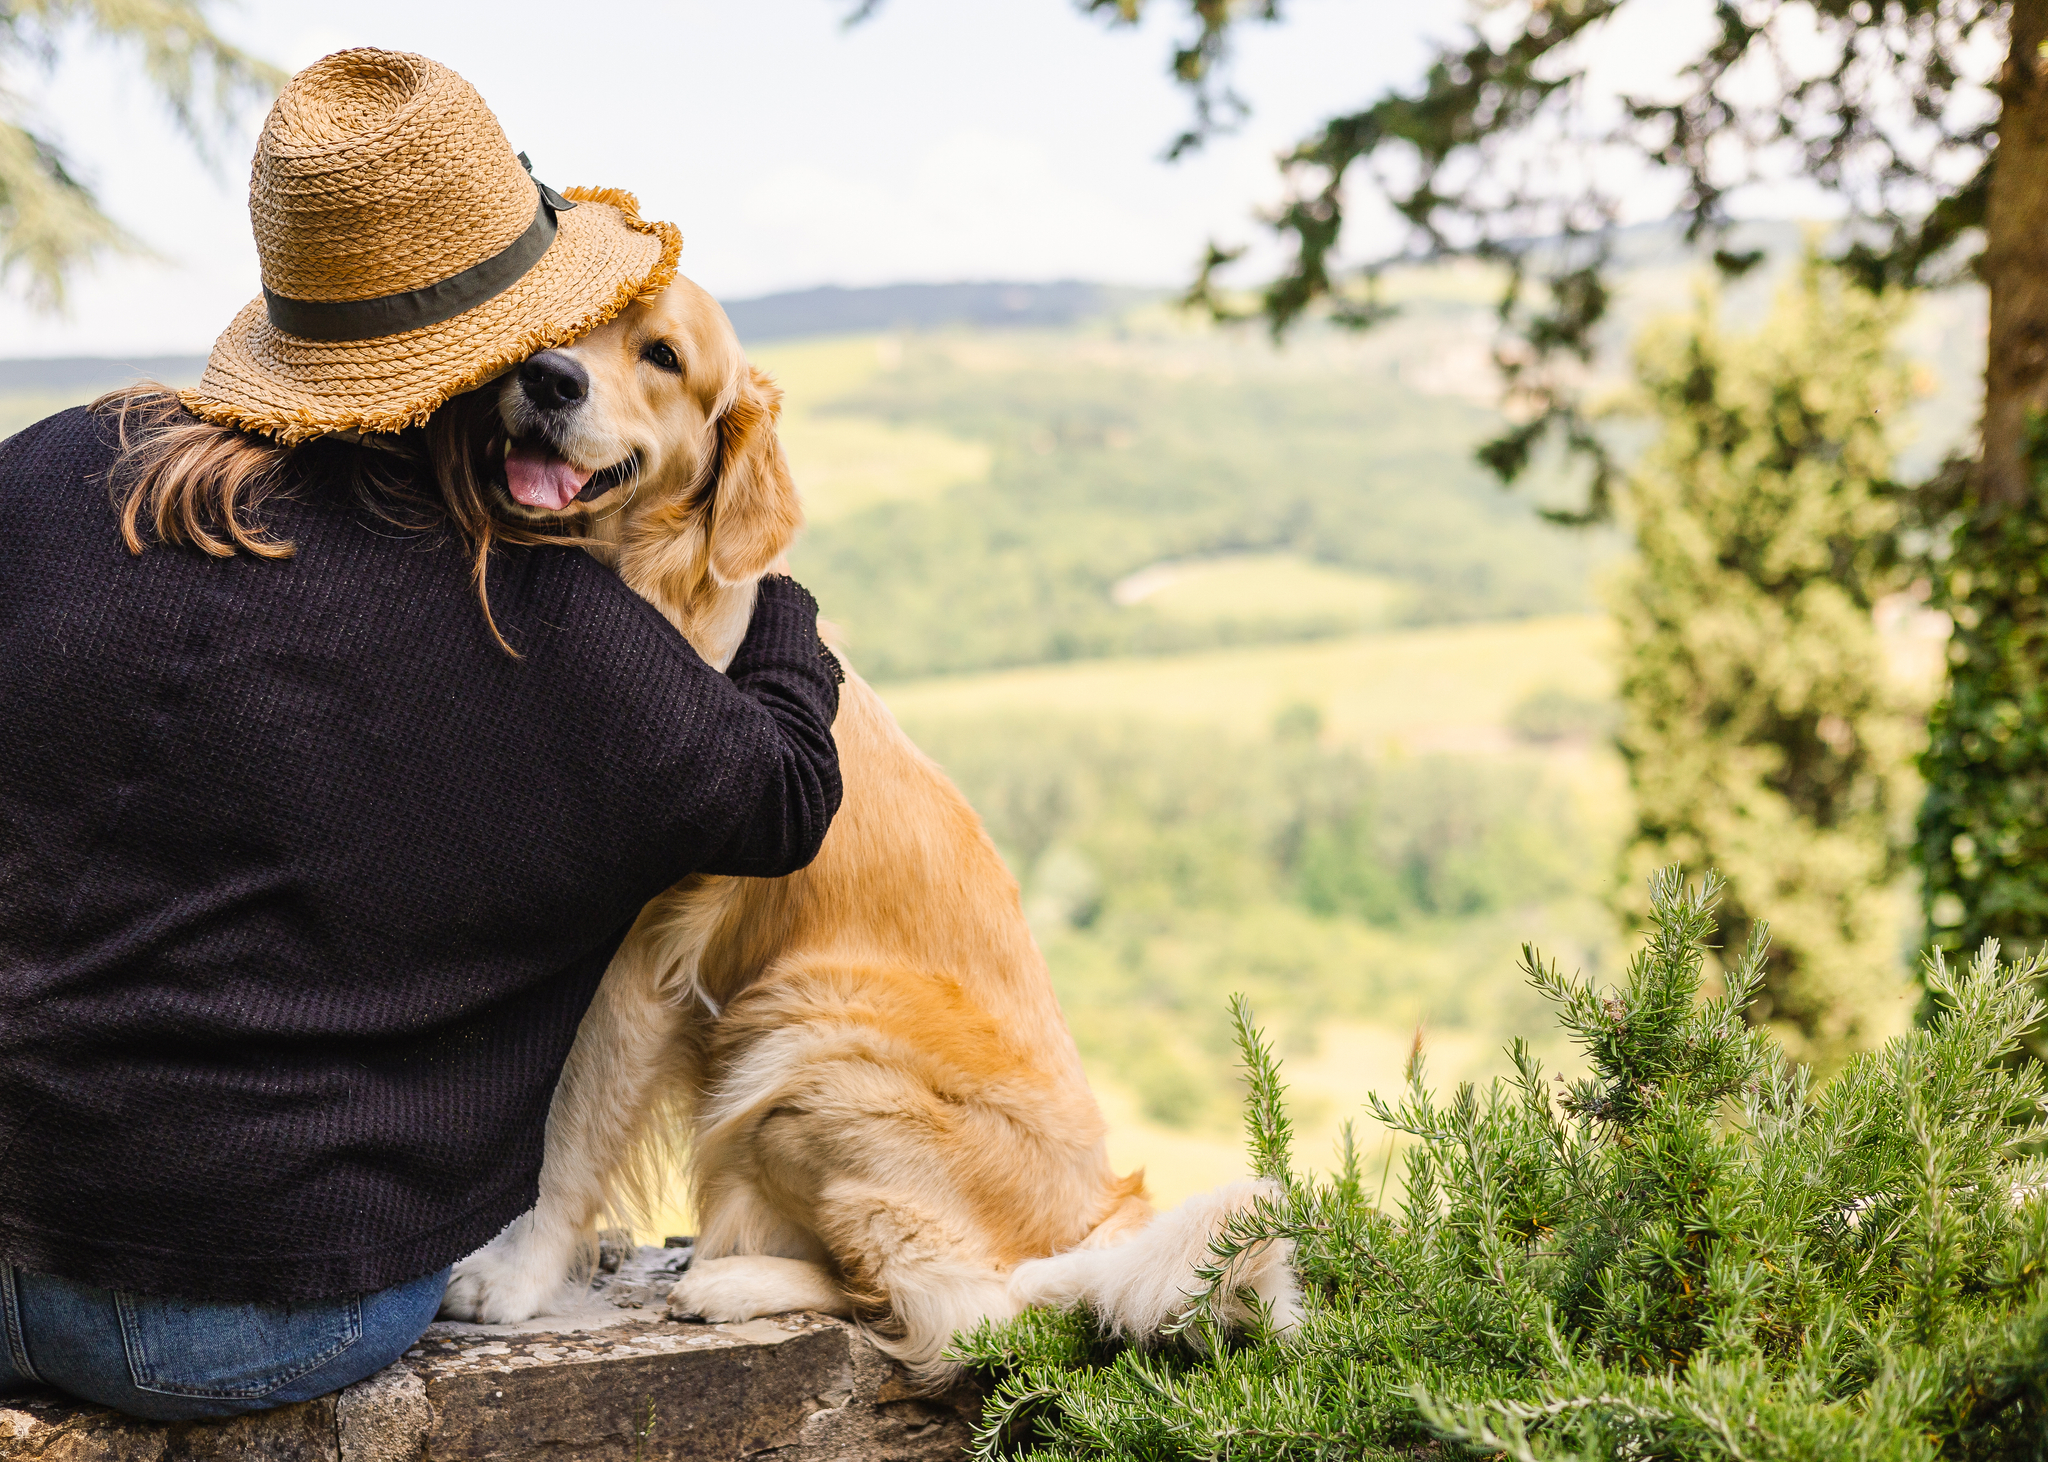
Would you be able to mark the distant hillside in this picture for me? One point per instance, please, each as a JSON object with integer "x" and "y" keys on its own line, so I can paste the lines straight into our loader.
{"x": 835, "y": 311}
{"x": 88, "y": 375}
{"x": 984, "y": 500}
{"x": 829, "y": 310}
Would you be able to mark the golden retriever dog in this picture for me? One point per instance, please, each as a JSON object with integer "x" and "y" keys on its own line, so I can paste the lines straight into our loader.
{"x": 882, "y": 1113}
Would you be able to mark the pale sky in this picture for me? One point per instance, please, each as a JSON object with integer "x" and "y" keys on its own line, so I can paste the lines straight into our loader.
{"x": 942, "y": 140}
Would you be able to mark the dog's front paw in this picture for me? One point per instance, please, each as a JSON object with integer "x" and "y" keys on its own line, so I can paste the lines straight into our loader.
{"x": 746, "y": 1286}
{"x": 708, "y": 1291}
{"x": 504, "y": 1282}
{"x": 464, "y": 1297}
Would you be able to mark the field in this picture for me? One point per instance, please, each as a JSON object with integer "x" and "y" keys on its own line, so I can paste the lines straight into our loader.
{"x": 1432, "y": 712}
{"x": 1446, "y": 688}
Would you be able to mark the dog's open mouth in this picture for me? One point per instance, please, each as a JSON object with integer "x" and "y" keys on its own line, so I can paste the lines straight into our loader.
{"x": 538, "y": 476}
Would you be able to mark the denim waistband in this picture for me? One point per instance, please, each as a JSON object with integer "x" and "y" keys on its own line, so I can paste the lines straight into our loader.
{"x": 10, "y": 1321}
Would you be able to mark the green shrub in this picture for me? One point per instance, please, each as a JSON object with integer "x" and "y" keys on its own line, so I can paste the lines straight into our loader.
{"x": 1983, "y": 836}
{"x": 1763, "y": 733}
{"x": 1551, "y": 713}
{"x": 1691, "y": 1252}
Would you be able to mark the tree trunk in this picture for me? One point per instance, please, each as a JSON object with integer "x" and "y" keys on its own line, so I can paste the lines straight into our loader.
{"x": 2015, "y": 263}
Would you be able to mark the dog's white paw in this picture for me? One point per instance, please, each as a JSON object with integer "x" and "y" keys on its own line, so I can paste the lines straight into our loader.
{"x": 504, "y": 1282}
{"x": 707, "y": 1293}
{"x": 748, "y": 1286}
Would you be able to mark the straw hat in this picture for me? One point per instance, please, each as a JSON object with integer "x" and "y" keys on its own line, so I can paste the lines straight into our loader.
{"x": 409, "y": 255}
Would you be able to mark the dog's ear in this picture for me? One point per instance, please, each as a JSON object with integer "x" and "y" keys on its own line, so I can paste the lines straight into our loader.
{"x": 755, "y": 513}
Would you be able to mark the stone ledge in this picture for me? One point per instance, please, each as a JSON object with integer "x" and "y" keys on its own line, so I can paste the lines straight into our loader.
{"x": 606, "y": 1382}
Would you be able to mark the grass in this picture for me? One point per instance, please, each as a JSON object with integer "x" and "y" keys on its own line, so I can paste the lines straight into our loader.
{"x": 818, "y": 372}
{"x": 1325, "y": 1087}
{"x": 845, "y": 464}
{"x": 1454, "y": 991}
{"x": 1284, "y": 594}
{"x": 1443, "y": 688}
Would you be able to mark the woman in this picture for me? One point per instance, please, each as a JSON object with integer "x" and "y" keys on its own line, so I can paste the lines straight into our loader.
{"x": 324, "y": 799}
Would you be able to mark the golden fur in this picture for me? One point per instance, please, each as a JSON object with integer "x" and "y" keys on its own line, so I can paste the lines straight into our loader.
{"x": 884, "y": 1114}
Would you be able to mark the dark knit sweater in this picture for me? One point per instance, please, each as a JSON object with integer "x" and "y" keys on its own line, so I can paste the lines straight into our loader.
{"x": 305, "y": 883}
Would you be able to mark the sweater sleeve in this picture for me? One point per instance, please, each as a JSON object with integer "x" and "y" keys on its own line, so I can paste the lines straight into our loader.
{"x": 785, "y": 669}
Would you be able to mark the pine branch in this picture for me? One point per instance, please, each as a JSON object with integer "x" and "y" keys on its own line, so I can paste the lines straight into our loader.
{"x": 1268, "y": 1129}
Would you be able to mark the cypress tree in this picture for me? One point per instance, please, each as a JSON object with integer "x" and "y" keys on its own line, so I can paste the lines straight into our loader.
{"x": 1761, "y": 730}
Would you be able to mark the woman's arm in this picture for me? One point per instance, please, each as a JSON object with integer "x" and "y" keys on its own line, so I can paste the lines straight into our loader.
{"x": 784, "y": 669}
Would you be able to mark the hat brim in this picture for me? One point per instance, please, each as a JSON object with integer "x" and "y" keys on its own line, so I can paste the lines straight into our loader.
{"x": 260, "y": 379}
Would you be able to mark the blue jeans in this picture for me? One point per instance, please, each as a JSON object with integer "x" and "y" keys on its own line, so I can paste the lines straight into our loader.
{"x": 186, "y": 1360}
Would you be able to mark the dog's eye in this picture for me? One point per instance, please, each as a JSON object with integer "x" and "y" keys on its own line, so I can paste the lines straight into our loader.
{"x": 656, "y": 353}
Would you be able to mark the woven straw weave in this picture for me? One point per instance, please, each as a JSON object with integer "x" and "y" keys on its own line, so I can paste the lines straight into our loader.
{"x": 380, "y": 172}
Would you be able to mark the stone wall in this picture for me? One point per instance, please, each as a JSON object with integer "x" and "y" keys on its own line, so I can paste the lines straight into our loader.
{"x": 606, "y": 1380}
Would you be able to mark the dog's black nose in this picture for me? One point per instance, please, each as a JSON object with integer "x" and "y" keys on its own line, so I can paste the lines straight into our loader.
{"x": 552, "y": 380}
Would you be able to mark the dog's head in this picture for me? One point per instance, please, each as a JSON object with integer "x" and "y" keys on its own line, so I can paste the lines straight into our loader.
{"x": 654, "y": 436}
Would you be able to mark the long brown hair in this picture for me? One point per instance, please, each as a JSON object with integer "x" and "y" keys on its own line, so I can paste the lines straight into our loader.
{"x": 201, "y": 485}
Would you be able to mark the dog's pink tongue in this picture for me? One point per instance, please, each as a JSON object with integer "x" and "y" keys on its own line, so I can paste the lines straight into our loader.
{"x": 540, "y": 479}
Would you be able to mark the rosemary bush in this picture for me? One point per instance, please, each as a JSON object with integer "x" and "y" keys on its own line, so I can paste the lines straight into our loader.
{"x": 1691, "y": 1252}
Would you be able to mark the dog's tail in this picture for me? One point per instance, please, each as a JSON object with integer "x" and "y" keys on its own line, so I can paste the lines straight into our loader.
{"x": 1140, "y": 1284}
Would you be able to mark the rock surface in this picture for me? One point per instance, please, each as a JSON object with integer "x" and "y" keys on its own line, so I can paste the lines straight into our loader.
{"x": 607, "y": 1378}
